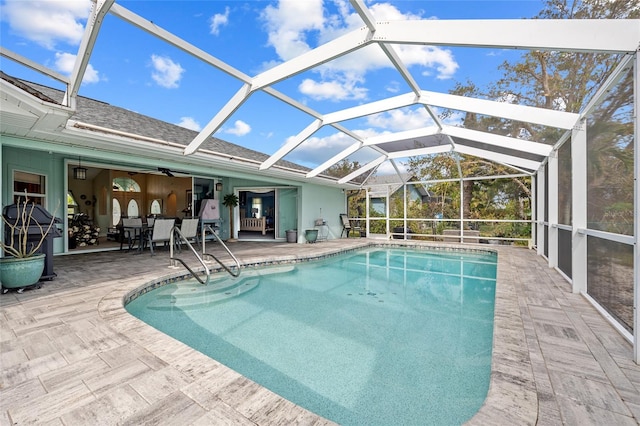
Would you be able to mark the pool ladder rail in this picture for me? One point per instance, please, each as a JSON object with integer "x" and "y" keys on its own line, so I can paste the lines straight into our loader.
{"x": 181, "y": 239}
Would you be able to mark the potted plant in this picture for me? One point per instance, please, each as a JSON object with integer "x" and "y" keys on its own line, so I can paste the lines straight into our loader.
{"x": 311, "y": 235}
{"x": 22, "y": 264}
{"x": 231, "y": 201}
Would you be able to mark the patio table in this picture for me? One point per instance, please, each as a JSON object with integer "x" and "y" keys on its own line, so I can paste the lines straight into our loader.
{"x": 139, "y": 233}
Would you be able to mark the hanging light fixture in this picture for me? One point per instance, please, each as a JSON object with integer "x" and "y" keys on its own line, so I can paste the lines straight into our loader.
{"x": 219, "y": 186}
{"x": 79, "y": 173}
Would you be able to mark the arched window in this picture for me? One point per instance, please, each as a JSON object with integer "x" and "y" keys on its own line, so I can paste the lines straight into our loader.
{"x": 156, "y": 208}
{"x": 125, "y": 184}
{"x": 117, "y": 212}
{"x": 132, "y": 209}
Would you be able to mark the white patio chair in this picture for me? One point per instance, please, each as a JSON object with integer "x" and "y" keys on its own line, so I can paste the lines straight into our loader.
{"x": 189, "y": 230}
{"x": 162, "y": 229}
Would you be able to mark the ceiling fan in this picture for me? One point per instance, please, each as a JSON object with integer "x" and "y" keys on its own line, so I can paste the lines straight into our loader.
{"x": 164, "y": 170}
{"x": 170, "y": 172}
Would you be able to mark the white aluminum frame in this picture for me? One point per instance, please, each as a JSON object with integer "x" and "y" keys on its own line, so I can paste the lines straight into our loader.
{"x": 636, "y": 213}
{"x": 621, "y": 36}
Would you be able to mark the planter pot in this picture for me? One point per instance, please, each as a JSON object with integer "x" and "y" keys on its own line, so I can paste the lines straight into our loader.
{"x": 16, "y": 272}
{"x": 311, "y": 235}
{"x": 292, "y": 236}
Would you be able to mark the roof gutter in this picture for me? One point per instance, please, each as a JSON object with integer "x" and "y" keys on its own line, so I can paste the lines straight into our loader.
{"x": 73, "y": 124}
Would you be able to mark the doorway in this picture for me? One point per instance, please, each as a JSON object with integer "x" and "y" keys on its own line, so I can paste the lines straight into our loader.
{"x": 97, "y": 202}
{"x": 266, "y": 213}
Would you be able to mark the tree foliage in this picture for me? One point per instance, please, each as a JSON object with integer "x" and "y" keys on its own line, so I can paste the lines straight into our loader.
{"x": 564, "y": 81}
{"x": 343, "y": 168}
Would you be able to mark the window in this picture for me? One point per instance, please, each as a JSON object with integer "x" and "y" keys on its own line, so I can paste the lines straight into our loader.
{"x": 30, "y": 183}
{"x": 132, "y": 209}
{"x": 123, "y": 188}
{"x": 117, "y": 212}
{"x": 125, "y": 184}
{"x": 256, "y": 207}
{"x": 72, "y": 204}
{"x": 156, "y": 208}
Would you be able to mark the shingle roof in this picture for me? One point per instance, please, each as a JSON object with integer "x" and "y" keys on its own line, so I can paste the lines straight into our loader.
{"x": 102, "y": 114}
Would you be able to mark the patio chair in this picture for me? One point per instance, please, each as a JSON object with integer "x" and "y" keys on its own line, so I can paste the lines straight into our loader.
{"x": 346, "y": 225}
{"x": 162, "y": 229}
{"x": 131, "y": 231}
{"x": 189, "y": 230}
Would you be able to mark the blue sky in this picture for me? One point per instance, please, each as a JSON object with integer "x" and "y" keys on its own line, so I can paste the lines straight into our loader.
{"x": 134, "y": 70}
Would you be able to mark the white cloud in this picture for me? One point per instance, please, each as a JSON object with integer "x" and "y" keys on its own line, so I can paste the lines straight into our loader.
{"x": 332, "y": 90}
{"x": 409, "y": 118}
{"x": 387, "y": 168}
{"x": 317, "y": 150}
{"x": 166, "y": 72}
{"x": 240, "y": 128}
{"x": 401, "y": 119}
{"x": 47, "y": 22}
{"x": 65, "y": 63}
{"x": 429, "y": 57}
{"x": 218, "y": 20}
{"x": 189, "y": 123}
{"x": 296, "y": 27}
{"x": 393, "y": 87}
{"x": 288, "y": 24}
{"x": 90, "y": 75}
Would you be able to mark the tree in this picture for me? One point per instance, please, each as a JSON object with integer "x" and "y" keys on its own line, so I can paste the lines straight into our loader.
{"x": 356, "y": 199}
{"x": 230, "y": 201}
{"x": 556, "y": 80}
{"x": 343, "y": 168}
{"x": 610, "y": 168}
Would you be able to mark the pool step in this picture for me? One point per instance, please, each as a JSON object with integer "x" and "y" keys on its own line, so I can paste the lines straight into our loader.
{"x": 194, "y": 295}
{"x": 191, "y": 294}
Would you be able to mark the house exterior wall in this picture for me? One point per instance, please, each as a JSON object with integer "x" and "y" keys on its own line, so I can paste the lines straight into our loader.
{"x": 32, "y": 160}
{"x": 314, "y": 201}
{"x": 320, "y": 202}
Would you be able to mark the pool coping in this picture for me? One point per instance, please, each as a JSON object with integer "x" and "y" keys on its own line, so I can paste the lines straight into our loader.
{"x": 512, "y": 395}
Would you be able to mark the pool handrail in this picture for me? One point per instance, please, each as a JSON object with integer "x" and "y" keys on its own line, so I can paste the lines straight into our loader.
{"x": 176, "y": 231}
{"x": 217, "y": 238}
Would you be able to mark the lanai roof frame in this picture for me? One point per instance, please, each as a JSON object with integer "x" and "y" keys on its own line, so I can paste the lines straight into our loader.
{"x": 600, "y": 35}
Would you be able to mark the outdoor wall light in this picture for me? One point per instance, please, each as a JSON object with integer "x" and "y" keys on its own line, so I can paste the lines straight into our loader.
{"x": 79, "y": 173}
{"x": 219, "y": 186}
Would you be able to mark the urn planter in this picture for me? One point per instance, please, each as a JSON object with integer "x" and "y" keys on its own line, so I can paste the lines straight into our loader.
{"x": 311, "y": 235}
{"x": 20, "y": 272}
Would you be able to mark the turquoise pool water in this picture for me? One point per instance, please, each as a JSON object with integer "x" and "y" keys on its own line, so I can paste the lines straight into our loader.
{"x": 379, "y": 337}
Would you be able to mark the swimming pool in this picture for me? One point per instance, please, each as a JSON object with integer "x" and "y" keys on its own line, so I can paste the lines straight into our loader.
{"x": 382, "y": 336}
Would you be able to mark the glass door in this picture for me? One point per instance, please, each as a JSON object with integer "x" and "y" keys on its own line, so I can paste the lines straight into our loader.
{"x": 287, "y": 210}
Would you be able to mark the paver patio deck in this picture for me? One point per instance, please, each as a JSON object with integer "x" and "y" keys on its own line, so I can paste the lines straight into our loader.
{"x": 71, "y": 354}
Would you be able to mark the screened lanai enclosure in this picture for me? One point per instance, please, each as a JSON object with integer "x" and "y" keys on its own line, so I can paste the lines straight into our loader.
{"x": 546, "y": 157}
{"x": 578, "y": 208}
